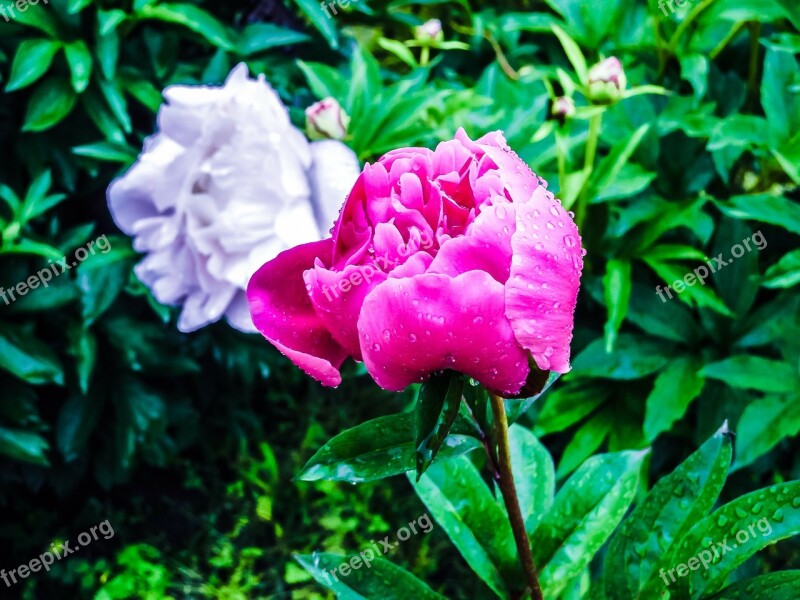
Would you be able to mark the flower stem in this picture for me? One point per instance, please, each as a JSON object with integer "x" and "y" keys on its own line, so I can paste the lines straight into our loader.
{"x": 595, "y": 125}
{"x": 509, "y": 491}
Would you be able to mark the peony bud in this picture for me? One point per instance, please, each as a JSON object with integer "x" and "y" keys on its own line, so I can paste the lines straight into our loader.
{"x": 326, "y": 120}
{"x": 607, "y": 81}
{"x": 430, "y": 31}
{"x": 563, "y": 108}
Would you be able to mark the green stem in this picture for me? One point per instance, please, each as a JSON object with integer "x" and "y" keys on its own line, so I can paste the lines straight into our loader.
{"x": 595, "y": 123}
{"x": 425, "y": 56}
{"x": 509, "y": 491}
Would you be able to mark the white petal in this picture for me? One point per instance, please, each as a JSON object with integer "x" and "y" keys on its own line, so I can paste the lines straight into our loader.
{"x": 333, "y": 175}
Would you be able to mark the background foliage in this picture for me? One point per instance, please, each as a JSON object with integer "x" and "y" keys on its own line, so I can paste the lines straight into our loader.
{"x": 188, "y": 443}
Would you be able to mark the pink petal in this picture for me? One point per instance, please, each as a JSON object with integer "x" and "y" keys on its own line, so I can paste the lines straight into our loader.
{"x": 542, "y": 290}
{"x": 283, "y": 313}
{"x": 411, "y": 327}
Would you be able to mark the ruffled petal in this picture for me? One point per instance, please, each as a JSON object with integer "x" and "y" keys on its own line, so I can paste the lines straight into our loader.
{"x": 409, "y": 328}
{"x": 542, "y": 290}
{"x": 283, "y": 313}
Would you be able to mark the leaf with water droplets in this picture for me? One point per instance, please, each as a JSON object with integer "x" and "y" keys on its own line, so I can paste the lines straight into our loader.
{"x": 585, "y": 512}
{"x": 674, "y": 504}
{"x": 374, "y": 450}
{"x": 462, "y": 504}
{"x": 380, "y": 578}
{"x": 770, "y": 514}
{"x": 782, "y": 585}
{"x": 437, "y": 408}
{"x": 532, "y": 467}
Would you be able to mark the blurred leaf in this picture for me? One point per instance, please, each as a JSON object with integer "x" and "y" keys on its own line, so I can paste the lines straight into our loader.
{"x": 80, "y": 64}
{"x": 32, "y": 60}
{"x": 257, "y": 37}
{"x": 675, "y": 388}
{"x": 785, "y": 273}
{"x": 754, "y": 373}
{"x": 634, "y": 357}
{"x": 782, "y": 585}
{"x": 765, "y": 422}
{"x": 192, "y": 17}
{"x": 617, "y": 285}
{"x": 52, "y": 101}
{"x": 586, "y": 441}
{"x": 320, "y": 20}
{"x": 29, "y": 359}
{"x": 24, "y": 446}
{"x": 573, "y": 53}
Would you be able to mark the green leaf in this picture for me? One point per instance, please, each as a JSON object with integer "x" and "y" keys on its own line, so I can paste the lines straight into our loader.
{"x": 24, "y": 446}
{"x": 112, "y": 91}
{"x": 781, "y": 103}
{"x": 41, "y": 19}
{"x": 785, "y": 273}
{"x": 374, "y": 450}
{"x": 534, "y": 477}
{"x": 695, "y": 294}
{"x": 674, "y": 252}
{"x": 437, "y": 408}
{"x": 766, "y": 208}
{"x": 52, "y": 101}
{"x": 193, "y": 18}
{"x": 634, "y": 357}
{"x": 617, "y": 285}
{"x": 258, "y": 37}
{"x": 462, "y": 504}
{"x": 32, "y": 60}
{"x": 587, "y": 440}
{"x": 754, "y": 373}
{"x": 610, "y": 166}
{"x": 399, "y": 49}
{"x": 380, "y": 578}
{"x": 324, "y": 23}
{"x": 100, "y": 282}
{"x": 24, "y": 356}
{"x": 573, "y": 52}
{"x": 80, "y": 64}
{"x": 675, "y": 388}
{"x": 746, "y": 525}
{"x": 76, "y": 422}
{"x": 584, "y": 514}
{"x": 765, "y": 422}
{"x": 669, "y": 510}
{"x": 76, "y": 6}
{"x": 324, "y": 81}
{"x": 107, "y": 151}
{"x": 782, "y": 585}
{"x": 567, "y": 405}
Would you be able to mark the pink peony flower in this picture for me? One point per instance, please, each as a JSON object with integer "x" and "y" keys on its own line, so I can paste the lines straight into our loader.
{"x": 457, "y": 258}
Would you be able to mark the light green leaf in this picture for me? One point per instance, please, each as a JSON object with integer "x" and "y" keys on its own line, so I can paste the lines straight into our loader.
{"x": 532, "y": 467}
{"x": 80, "y": 64}
{"x": 754, "y": 373}
{"x": 52, "y": 101}
{"x": 319, "y": 19}
{"x": 617, "y": 286}
{"x": 782, "y": 585}
{"x": 766, "y": 208}
{"x": 194, "y": 18}
{"x": 24, "y": 446}
{"x": 24, "y": 356}
{"x": 765, "y": 422}
{"x": 785, "y": 273}
{"x": 573, "y": 52}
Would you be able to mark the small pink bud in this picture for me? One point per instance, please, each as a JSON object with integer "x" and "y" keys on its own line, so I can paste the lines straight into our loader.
{"x": 563, "y": 107}
{"x": 326, "y": 120}
{"x": 607, "y": 81}
{"x": 430, "y": 31}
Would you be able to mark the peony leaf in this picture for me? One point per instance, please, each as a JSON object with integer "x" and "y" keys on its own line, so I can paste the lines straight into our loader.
{"x": 754, "y": 373}
{"x": 437, "y": 408}
{"x": 532, "y": 467}
{"x": 782, "y": 585}
{"x": 675, "y": 389}
{"x": 674, "y": 504}
{"x": 32, "y": 60}
{"x": 585, "y": 512}
{"x": 374, "y": 450}
{"x": 459, "y": 500}
{"x": 52, "y": 101}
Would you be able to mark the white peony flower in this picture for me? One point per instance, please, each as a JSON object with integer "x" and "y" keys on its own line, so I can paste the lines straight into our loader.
{"x": 224, "y": 186}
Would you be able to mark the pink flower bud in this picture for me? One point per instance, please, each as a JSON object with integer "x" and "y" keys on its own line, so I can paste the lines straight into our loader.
{"x": 430, "y": 31}
{"x": 563, "y": 107}
{"x": 607, "y": 81}
{"x": 326, "y": 120}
